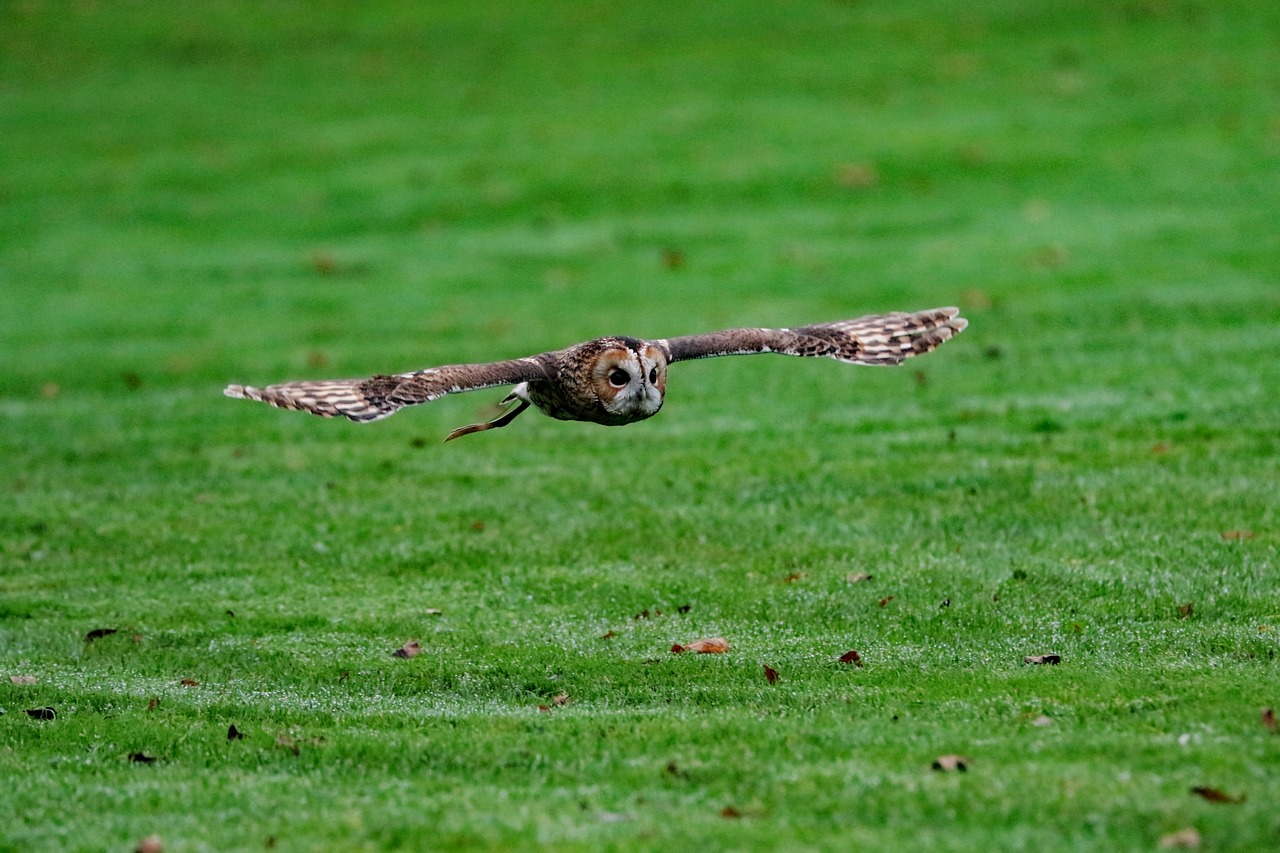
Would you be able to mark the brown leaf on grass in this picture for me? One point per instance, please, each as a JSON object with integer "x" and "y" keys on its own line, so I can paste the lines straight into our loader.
{"x": 546, "y": 709}
{"x": 23, "y": 679}
{"x": 99, "y": 633}
{"x": 477, "y": 525}
{"x": 150, "y": 844}
{"x": 857, "y": 577}
{"x": 1043, "y": 659}
{"x": 189, "y": 682}
{"x": 233, "y": 733}
{"x": 142, "y": 758}
{"x": 706, "y": 646}
{"x": 793, "y": 577}
{"x": 1268, "y": 718}
{"x": 324, "y": 262}
{"x": 608, "y": 635}
{"x": 1237, "y": 535}
{"x": 673, "y": 259}
{"x": 886, "y": 600}
{"x": 1185, "y": 610}
{"x": 729, "y": 812}
{"x": 1214, "y": 795}
{"x": 947, "y": 763}
{"x": 852, "y": 657}
{"x": 1183, "y": 839}
{"x": 42, "y": 713}
{"x": 410, "y": 649}
{"x": 154, "y": 703}
{"x": 770, "y": 674}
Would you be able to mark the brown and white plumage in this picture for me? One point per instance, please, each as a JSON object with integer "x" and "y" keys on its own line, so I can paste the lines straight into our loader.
{"x": 613, "y": 380}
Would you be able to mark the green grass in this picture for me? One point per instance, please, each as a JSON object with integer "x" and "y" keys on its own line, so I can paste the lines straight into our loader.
{"x": 255, "y": 192}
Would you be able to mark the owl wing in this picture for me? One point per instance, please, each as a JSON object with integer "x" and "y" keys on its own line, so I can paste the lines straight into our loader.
{"x": 881, "y": 339}
{"x": 372, "y": 399}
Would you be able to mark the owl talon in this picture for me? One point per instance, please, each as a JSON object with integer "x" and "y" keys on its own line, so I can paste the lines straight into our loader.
{"x": 500, "y": 421}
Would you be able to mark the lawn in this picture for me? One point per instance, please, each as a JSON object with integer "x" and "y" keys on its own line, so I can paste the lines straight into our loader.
{"x": 192, "y": 196}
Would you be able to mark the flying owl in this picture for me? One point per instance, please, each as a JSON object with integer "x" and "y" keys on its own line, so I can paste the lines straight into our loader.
{"x": 611, "y": 381}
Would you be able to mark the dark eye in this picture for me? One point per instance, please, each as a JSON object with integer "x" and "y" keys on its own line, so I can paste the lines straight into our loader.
{"x": 653, "y": 376}
{"x": 619, "y": 377}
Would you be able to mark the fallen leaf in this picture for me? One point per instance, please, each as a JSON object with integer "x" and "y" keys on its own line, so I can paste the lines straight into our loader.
{"x": 947, "y": 763}
{"x": 42, "y": 713}
{"x": 707, "y": 646}
{"x": 23, "y": 679}
{"x": 154, "y": 703}
{"x": 233, "y": 733}
{"x": 410, "y": 649}
{"x": 98, "y": 634}
{"x": 1185, "y": 610}
{"x": 1043, "y": 659}
{"x": 560, "y": 699}
{"x": 770, "y": 674}
{"x": 730, "y": 812}
{"x": 324, "y": 263}
{"x": 142, "y": 758}
{"x": 189, "y": 682}
{"x": 857, "y": 577}
{"x": 1237, "y": 535}
{"x": 886, "y": 600}
{"x": 852, "y": 657}
{"x": 544, "y": 708}
{"x": 673, "y": 259}
{"x": 1161, "y": 448}
{"x": 793, "y": 577}
{"x": 1213, "y": 795}
{"x": 150, "y": 844}
{"x": 1183, "y": 839}
{"x": 477, "y": 525}
{"x": 608, "y": 635}
{"x": 1269, "y": 719}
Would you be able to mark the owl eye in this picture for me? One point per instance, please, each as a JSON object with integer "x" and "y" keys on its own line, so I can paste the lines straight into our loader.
{"x": 618, "y": 377}
{"x": 653, "y": 376}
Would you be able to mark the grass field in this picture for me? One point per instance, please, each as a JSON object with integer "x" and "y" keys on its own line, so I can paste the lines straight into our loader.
{"x": 241, "y": 192}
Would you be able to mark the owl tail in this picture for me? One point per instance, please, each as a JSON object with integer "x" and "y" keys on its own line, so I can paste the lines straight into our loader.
{"x": 500, "y": 421}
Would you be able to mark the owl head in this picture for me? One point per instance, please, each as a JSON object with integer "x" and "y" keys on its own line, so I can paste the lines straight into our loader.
{"x": 629, "y": 378}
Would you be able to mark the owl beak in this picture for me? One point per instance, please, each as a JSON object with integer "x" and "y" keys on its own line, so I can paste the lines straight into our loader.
{"x": 500, "y": 421}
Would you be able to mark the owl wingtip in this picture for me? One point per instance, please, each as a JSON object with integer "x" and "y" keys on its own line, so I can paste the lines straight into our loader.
{"x": 239, "y": 392}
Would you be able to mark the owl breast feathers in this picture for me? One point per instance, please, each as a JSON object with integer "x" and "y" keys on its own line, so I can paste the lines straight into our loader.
{"x": 611, "y": 381}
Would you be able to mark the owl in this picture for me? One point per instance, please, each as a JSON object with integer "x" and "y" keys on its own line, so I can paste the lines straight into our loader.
{"x": 611, "y": 381}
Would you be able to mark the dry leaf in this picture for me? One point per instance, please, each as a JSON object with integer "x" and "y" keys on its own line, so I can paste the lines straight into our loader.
{"x": 410, "y": 649}
{"x": 544, "y": 708}
{"x": 23, "y": 679}
{"x": 233, "y": 733}
{"x": 1185, "y": 610}
{"x": 1237, "y": 535}
{"x": 1183, "y": 839}
{"x": 1043, "y": 659}
{"x": 793, "y": 577}
{"x": 150, "y": 844}
{"x": 98, "y": 634}
{"x": 852, "y": 657}
{"x": 189, "y": 682}
{"x": 142, "y": 758}
{"x": 477, "y": 525}
{"x": 673, "y": 259}
{"x": 1213, "y": 795}
{"x": 857, "y": 577}
{"x": 1269, "y": 719}
{"x": 707, "y": 646}
{"x": 730, "y": 812}
{"x": 770, "y": 674}
{"x": 608, "y": 635}
{"x": 951, "y": 762}
{"x": 154, "y": 703}
{"x": 886, "y": 600}
{"x": 324, "y": 263}
{"x": 42, "y": 713}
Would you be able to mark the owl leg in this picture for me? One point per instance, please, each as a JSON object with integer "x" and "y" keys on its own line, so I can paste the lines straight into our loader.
{"x": 500, "y": 421}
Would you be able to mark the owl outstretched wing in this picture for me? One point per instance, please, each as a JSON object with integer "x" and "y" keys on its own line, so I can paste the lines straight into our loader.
{"x": 879, "y": 339}
{"x": 372, "y": 399}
